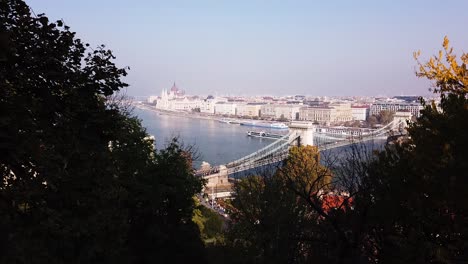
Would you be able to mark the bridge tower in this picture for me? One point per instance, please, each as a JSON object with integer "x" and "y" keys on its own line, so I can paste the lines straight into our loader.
{"x": 305, "y": 130}
{"x": 400, "y": 117}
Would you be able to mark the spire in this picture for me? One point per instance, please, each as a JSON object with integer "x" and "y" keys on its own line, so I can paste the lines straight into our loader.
{"x": 174, "y": 88}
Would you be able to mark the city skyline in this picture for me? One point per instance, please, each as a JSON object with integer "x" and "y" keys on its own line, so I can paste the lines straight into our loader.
{"x": 277, "y": 48}
{"x": 187, "y": 92}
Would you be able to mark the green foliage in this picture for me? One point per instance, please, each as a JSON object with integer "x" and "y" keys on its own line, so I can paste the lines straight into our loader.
{"x": 213, "y": 224}
{"x": 197, "y": 216}
{"x": 267, "y": 221}
{"x": 80, "y": 181}
{"x": 209, "y": 223}
{"x": 413, "y": 198}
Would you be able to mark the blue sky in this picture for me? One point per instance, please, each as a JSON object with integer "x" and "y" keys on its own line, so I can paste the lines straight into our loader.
{"x": 267, "y": 47}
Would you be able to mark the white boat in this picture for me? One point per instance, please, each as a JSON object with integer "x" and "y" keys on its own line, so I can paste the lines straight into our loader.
{"x": 263, "y": 134}
{"x": 225, "y": 120}
{"x": 264, "y": 124}
{"x": 279, "y": 125}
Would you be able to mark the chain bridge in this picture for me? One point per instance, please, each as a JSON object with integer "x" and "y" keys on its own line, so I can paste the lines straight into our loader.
{"x": 302, "y": 134}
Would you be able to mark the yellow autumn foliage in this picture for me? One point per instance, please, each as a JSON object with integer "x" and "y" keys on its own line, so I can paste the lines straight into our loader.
{"x": 303, "y": 170}
{"x": 449, "y": 73}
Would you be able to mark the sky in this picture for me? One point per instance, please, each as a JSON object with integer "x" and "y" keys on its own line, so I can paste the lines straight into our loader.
{"x": 316, "y": 48}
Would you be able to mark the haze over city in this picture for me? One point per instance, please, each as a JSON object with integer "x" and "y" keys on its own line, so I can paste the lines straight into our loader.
{"x": 209, "y": 131}
{"x": 267, "y": 47}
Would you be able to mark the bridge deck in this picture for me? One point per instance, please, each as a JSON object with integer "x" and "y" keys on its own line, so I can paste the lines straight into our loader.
{"x": 278, "y": 150}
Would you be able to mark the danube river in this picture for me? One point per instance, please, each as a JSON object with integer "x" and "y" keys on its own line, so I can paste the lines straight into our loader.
{"x": 216, "y": 143}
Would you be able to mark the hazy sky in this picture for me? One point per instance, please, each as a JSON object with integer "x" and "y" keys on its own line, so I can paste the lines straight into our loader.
{"x": 267, "y": 47}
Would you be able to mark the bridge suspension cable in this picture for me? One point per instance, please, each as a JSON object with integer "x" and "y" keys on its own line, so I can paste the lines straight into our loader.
{"x": 261, "y": 151}
{"x": 278, "y": 150}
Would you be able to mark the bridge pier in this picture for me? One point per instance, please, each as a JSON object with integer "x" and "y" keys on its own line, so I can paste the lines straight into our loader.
{"x": 305, "y": 130}
{"x": 217, "y": 184}
{"x": 217, "y": 179}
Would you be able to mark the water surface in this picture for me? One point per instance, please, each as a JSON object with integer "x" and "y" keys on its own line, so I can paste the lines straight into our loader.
{"x": 217, "y": 143}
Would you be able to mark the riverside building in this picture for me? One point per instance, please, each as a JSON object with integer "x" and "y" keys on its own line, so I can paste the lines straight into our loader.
{"x": 278, "y": 111}
{"x": 225, "y": 108}
{"x": 327, "y": 113}
{"x": 250, "y": 109}
{"x": 414, "y": 108}
{"x": 360, "y": 113}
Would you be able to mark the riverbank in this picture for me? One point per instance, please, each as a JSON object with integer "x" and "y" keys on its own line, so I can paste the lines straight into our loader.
{"x": 184, "y": 114}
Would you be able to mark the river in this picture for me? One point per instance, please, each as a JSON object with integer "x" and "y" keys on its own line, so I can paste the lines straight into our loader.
{"x": 215, "y": 142}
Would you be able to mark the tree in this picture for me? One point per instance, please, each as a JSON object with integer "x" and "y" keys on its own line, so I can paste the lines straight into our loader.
{"x": 413, "y": 193}
{"x": 304, "y": 173}
{"x": 372, "y": 121}
{"x": 354, "y": 123}
{"x": 441, "y": 142}
{"x": 267, "y": 223}
{"x": 450, "y": 77}
{"x": 161, "y": 210}
{"x": 209, "y": 223}
{"x": 291, "y": 215}
{"x": 80, "y": 180}
{"x": 312, "y": 181}
{"x": 385, "y": 117}
{"x": 282, "y": 118}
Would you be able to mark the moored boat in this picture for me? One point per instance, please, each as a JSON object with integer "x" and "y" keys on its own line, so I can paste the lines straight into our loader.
{"x": 228, "y": 121}
{"x": 263, "y": 134}
{"x": 279, "y": 126}
{"x": 264, "y": 124}
{"x": 225, "y": 120}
